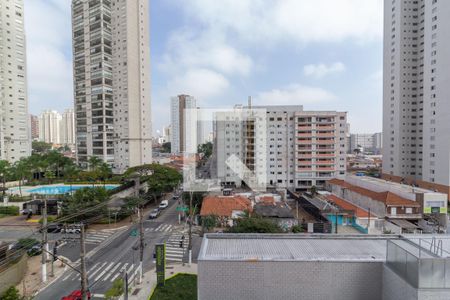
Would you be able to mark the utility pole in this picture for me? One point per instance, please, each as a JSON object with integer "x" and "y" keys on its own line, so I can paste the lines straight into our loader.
{"x": 190, "y": 227}
{"x": 296, "y": 204}
{"x": 125, "y": 282}
{"x": 44, "y": 242}
{"x": 83, "y": 265}
{"x": 141, "y": 244}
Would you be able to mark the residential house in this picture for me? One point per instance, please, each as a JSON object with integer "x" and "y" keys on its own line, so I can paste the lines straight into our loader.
{"x": 226, "y": 208}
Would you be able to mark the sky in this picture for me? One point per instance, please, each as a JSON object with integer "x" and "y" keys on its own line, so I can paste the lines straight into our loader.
{"x": 322, "y": 54}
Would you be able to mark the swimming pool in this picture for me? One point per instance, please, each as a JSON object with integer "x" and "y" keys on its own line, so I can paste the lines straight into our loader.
{"x": 64, "y": 189}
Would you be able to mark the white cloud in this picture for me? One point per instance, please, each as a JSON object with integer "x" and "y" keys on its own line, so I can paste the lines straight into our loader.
{"x": 190, "y": 49}
{"x": 321, "y": 70}
{"x": 48, "y": 33}
{"x": 295, "y": 21}
{"x": 294, "y": 94}
{"x": 200, "y": 83}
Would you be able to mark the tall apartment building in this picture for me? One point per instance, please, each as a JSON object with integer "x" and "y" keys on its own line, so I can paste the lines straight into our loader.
{"x": 178, "y": 137}
{"x": 301, "y": 148}
{"x": 15, "y": 136}
{"x": 370, "y": 143}
{"x": 112, "y": 82}
{"x": 67, "y": 127}
{"x": 416, "y": 109}
{"x": 34, "y": 121}
{"x": 50, "y": 127}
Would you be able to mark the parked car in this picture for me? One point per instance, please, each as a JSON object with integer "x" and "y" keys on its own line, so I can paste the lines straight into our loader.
{"x": 35, "y": 250}
{"x": 76, "y": 295}
{"x": 53, "y": 228}
{"x": 163, "y": 204}
{"x": 75, "y": 229}
{"x": 175, "y": 197}
{"x": 154, "y": 213}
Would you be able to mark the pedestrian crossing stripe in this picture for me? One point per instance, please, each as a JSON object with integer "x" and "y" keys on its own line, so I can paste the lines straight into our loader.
{"x": 105, "y": 271}
{"x": 160, "y": 228}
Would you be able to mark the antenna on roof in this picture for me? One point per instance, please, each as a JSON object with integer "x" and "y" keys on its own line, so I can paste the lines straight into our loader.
{"x": 249, "y": 102}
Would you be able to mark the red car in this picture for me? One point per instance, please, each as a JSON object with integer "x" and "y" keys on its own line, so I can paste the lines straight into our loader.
{"x": 76, "y": 295}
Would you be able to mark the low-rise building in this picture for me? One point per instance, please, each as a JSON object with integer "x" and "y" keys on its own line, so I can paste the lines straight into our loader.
{"x": 278, "y": 213}
{"x": 226, "y": 208}
{"x": 316, "y": 267}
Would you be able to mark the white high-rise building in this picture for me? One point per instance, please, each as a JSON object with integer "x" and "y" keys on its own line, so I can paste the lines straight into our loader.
{"x": 67, "y": 127}
{"x": 370, "y": 143}
{"x": 416, "y": 94}
{"x": 15, "y": 135}
{"x": 112, "y": 82}
{"x": 179, "y": 136}
{"x": 301, "y": 148}
{"x": 50, "y": 127}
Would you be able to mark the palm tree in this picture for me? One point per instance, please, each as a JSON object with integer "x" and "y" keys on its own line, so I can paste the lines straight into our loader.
{"x": 5, "y": 168}
{"x": 21, "y": 170}
{"x": 104, "y": 171}
{"x": 94, "y": 162}
{"x": 71, "y": 172}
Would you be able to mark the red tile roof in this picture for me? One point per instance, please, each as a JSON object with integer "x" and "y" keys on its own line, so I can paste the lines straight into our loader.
{"x": 359, "y": 212}
{"x": 267, "y": 200}
{"x": 388, "y": 198}
{"x": 223, "y": 206}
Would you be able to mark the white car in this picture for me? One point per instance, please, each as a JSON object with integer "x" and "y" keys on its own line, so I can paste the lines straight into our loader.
{"x": 163, "y": 204}
{"x": 71, "y": 229}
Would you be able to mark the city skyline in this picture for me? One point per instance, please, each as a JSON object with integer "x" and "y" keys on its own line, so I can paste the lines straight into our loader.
{"x": 324, "y": 68}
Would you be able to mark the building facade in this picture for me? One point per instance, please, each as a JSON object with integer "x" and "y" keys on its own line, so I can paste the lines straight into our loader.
{"x": 301, "y": 148}
{"x": 112, "y": 82}
{"x": 15, "y": 135}
{"x": 34, "y": 121}
{"x": 368, "y": 143}
{"x": 50, "y": 127}
{"x": 67, "y": 127}
{"x": 178, "y": 137}
{"x": 416, "y": 90}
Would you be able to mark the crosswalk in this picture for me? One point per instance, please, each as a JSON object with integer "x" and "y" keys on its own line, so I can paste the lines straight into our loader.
{"x": 104, "y": 271}
{"x": 98, "y": 236}
{"x": 173, "y": 250}
{"x": 160, "y": 228}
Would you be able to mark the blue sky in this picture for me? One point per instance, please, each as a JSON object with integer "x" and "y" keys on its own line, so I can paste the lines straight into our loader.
{"x": 279, "y": 52}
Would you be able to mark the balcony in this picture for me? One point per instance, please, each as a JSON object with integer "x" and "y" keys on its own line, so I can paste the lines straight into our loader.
{"x": 325, "y": 162}
{"x": 325, "y": 135}
{"x": 305, "y": 155}
{"x": 302, "y": 127}
{"x": 304, "y": 142}
{"x": 405, "y": 216}
{"x": 322, "y": 155}
{"x": 325, "y": 169}
{"x": 324, "y": 127}
{"x": 325, "y": 142}
{"x": 304, "y": 135}
{"x": 305, "y": 163}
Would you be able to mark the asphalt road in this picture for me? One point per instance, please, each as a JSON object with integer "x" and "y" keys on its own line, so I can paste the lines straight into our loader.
{"x": 119, "y": 251}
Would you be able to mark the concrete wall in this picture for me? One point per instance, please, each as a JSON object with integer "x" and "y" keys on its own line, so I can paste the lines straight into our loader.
{"x": 289, "y": 280}
{"x": 13, "y": 275}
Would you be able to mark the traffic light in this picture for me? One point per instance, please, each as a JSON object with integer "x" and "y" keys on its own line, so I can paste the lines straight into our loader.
{"x": 55, "y": 252}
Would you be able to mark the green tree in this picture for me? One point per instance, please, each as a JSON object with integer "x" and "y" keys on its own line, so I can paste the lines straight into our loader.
{"x": 104, "y": 172}
{"x": 21, "y": 170}
{"x": 166, "y": 147}
{"x": 116, "y": 290}
{"x": 255, "y": 225}
{"x": 206, "y": 149}
{"x": 94, "y": 163}
{"x": 5, "y": 169}
{"x": 40, "y": 147}
{"x": 209, "y": 222}
{"x": 49, "y": 176}
{"x": 11, "y": 294}
{"x": 85, "y": 198}
{"x": 313, "y": 190}
{"x": 297, "y": 229}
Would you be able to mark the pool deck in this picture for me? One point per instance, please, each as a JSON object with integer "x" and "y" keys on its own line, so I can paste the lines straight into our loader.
{"x": 26, "y": 189}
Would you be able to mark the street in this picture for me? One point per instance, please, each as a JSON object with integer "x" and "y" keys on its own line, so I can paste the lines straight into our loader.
{"x": 106, "y": 260}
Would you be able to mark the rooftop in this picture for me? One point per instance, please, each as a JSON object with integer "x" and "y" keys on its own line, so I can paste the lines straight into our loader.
{"x": 388, "y": 198}
{"x": 224, "y": 206}
{"x": 359, "y": 212}
{"x": 287, "y": 247}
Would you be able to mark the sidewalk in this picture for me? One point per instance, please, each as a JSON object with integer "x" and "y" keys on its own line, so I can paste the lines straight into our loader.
{"x": 144, "y": 290}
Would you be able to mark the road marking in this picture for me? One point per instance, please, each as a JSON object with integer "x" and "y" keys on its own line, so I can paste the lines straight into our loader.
{"x": 67, "y": 277}
{"x": 104, "y": 271}
{"x": 96, "y": 271}
{"x": 157, "y": 228}
{"x": 112, "y": 271}
{"x": 131, "y": 268}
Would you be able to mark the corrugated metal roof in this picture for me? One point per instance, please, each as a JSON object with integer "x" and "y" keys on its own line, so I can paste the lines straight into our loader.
{"x": 269, "y": 247}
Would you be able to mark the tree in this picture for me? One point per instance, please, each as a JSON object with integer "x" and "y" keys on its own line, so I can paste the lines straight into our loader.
{"x": 255, "y": 225}
{"x": 21, "y": 170}
{"x": 313, "y": 190}
{"x": 94, "y": 162}
{"x": 5, "y": 169}
{"x": 205, "y": 149}
{"x": 297, "y": 229}
{"x": 166, "y": 147}
{"x": 104, "y": 171}
{"x": 40, "y": 147}
{"x": 49, "y": 176}
{"x": 11, "y": 294}
{"x": 85, "y": 198}
{"x": 116, "y": 290}
{"x": 209, "y": 222}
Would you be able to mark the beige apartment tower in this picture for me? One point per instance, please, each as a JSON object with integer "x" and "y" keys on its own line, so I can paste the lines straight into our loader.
{"x": 112, "y": 82}
{"x": 15, "y": 136}
{"x": 416, "y": 107}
